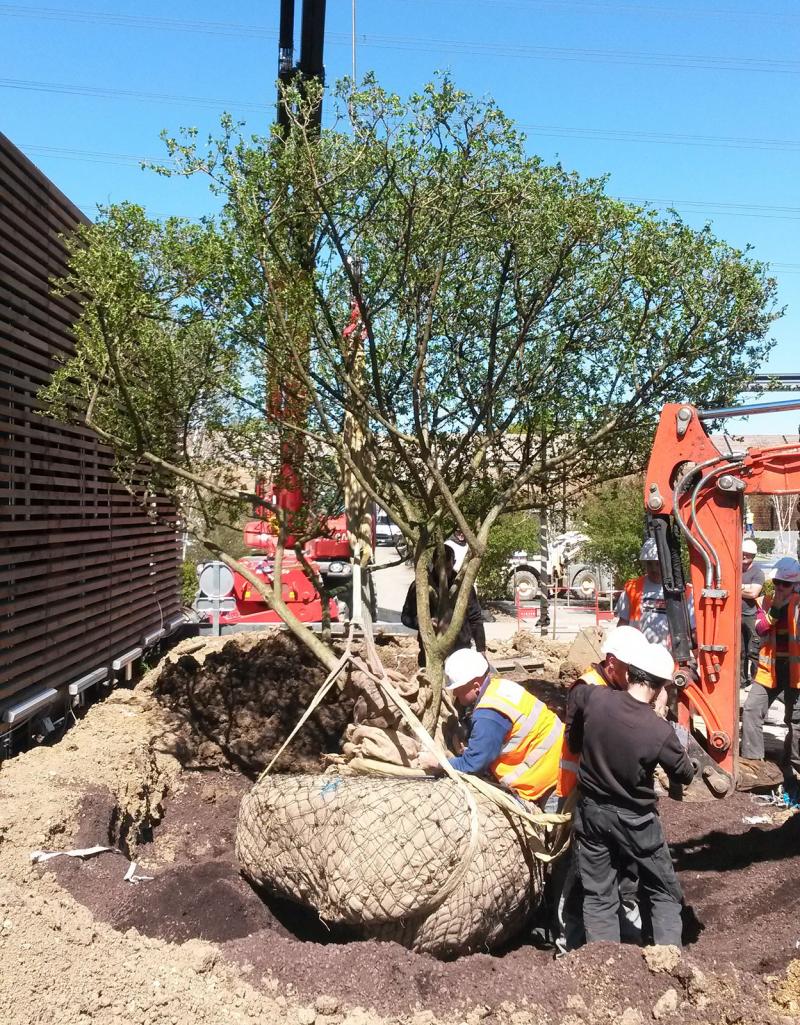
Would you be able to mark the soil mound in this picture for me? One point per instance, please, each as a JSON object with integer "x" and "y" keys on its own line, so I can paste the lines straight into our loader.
{"x": 233, "y": 701}
{"x": 196, "y": 945}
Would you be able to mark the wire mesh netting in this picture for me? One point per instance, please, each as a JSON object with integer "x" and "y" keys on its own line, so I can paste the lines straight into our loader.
{"x": 391, "y": 856}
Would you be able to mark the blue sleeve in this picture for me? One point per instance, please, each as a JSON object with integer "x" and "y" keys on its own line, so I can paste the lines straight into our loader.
{"x": 489, "y": 731}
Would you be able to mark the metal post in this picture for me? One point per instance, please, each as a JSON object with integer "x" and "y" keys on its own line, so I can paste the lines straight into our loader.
{"x": 312, "y": 38}
{"x": 544, "y": 575}
{"x": 285, "y": 59}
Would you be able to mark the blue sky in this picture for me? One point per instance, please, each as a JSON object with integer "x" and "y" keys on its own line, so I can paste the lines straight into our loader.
{"x": 686, "y": 103}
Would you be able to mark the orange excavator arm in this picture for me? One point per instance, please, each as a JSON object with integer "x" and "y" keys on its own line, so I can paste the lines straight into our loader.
{"x": 694, "y": 494}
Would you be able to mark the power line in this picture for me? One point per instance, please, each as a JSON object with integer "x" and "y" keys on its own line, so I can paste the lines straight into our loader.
{"x": 713, "y": 207}
{"x": 646, "y": 9}
{"x": 662, "y": 138}
{"x": 651, "y": 59}
{"x": 557, "y": 131}
{"x": 217, "y": 28}
{"x": 133, "y": 94}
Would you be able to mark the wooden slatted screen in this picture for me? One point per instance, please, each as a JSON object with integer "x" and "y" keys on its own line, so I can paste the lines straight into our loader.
{"x": 85, "y": 574}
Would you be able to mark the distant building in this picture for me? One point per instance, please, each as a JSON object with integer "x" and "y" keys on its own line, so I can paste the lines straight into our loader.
{"x": 761, "y": 505}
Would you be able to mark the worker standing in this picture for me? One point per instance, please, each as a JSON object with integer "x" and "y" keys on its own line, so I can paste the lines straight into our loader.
{"x": 621, "y": 741}
{"x": 617, "y": 649}
{"x": 642, "y": 603}
{"x": 778, "y": 672}
{"x": 513, "y": 735}
{"x": 752, "y": 586}
{"x": 472, "y": 629}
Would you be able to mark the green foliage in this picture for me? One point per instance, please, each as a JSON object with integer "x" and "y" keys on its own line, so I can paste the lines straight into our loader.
{"x": 188, "y": 582}
{"x": 521, "y": 328}
{"x": 765, "y": 545}
{"x": 613, "y": 520}
{"x": 510, "y": 534}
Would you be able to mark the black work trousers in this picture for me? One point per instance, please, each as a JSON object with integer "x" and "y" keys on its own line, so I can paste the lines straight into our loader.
{"x": 608, "y": 839}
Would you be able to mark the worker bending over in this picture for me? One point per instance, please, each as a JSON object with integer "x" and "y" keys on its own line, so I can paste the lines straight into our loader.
{"x": 513, "y": 736}
{"x": 621, "y": 741}
{"x": 778, "y": 672}
{"x": 642, "y": 603}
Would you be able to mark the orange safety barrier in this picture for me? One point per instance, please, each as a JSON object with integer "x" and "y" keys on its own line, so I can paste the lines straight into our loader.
{"x": 530, "y": 611}
{"x": 604, "y": 602}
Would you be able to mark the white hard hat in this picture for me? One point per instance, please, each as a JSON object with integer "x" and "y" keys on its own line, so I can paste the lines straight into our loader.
{"x": 749, "y": 547}
{"x": 787, "y": 569}
{"x": 653, "y": 659}
{"x": 462, "y": 666}
{"x": 649, "y": 552}
{"x": 622, "y": 641}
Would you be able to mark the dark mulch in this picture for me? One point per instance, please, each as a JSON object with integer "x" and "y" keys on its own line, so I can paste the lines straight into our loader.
{"x": 741, "y": 881}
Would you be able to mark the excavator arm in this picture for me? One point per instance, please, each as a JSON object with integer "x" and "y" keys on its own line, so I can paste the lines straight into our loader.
{"x": 694, "y": 497}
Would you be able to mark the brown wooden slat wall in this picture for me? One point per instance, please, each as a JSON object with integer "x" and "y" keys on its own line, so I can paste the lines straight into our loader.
{"x": 84, "y": 573}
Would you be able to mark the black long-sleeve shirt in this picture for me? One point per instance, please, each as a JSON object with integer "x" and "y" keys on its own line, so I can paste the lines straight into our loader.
{"x": 472, "y": 628}
{"x": 622, "y": 740}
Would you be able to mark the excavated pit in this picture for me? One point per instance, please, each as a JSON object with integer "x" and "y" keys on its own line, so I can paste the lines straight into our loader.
{"x": 741, "y": 878}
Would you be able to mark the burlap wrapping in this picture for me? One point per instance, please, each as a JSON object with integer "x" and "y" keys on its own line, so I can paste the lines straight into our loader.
{"x": 377, "y": 852}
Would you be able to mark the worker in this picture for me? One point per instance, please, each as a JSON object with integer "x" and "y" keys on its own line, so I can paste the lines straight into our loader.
{"x": 458, "y": 542}
{"x": 612, "y": 671}
{"x": 642, "y": 604}
{"x": 778, "y": 672}
{"x": 749, "y": 522}
{"x": 472, "y": 629}
{"x": 621, "y": 741}
{"x": 513, "y": 736}
{"x": 752, "y": 586}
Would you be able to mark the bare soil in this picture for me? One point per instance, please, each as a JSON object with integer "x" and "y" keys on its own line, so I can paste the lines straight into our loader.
{"x": 196, "y": 945}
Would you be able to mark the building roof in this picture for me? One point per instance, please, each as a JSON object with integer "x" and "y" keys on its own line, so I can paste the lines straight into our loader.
{"x": 728, "y": 443}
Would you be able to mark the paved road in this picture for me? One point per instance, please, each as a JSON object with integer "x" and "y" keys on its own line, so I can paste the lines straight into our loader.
{"x": 392, "y": 583}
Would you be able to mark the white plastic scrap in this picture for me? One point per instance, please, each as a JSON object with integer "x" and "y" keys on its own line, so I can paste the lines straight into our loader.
{"x": 79, "y": 852}
{"x": 755, "y": 820}
{"x": 132, "y": 877}
{"x": 89, "y": 852}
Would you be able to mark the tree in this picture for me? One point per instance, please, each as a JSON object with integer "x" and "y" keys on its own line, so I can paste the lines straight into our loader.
{"x": 613, "y": 520}
{"x": 785, "y": 507}
{"x": 521, "y": 328}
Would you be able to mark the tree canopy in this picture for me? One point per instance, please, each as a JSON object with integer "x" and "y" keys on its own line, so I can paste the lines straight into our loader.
{"x": 516, "y": 329}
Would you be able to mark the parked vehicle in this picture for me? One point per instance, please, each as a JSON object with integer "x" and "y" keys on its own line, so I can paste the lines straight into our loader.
{"x": 386, "y": 530}
{"x": 565, "y": 568}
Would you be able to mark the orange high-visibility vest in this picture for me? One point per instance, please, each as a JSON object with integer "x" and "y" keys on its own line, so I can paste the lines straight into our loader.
{"x": 634, "y": 589}
{"x": 570, "y": 760}
{"x": 765, "y": 674}
{"x": 528, "y": 763}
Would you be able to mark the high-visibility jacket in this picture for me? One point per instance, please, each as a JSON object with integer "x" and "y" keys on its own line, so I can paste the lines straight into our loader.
{"x": 528, "y": 762}
{"x": 633, "y": 589}
{"x": 765, "y": 674}
{"x": 570, "y": 760}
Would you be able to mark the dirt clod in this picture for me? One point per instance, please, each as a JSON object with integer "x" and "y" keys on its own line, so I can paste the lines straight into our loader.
{"x": 666, "y": 1004}
{"x": 662, "y": 959}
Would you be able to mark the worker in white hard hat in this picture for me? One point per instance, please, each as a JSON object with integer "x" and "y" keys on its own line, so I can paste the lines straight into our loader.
{"x": 617, "y": 649}
{"x": 752, "y": 588}
{"x": 621, "y": 742}
{"x": 778, "y": 672}
{"x": 514, "y": 737}
{"x": 612, "y": 671}
{"x": 641, "y": 603}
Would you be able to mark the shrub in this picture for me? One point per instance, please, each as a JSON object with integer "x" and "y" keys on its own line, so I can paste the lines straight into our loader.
{"x": 510, "y": 534}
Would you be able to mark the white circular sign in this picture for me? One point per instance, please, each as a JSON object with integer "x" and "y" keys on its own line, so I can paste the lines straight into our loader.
{"x": 216, "y": 580}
